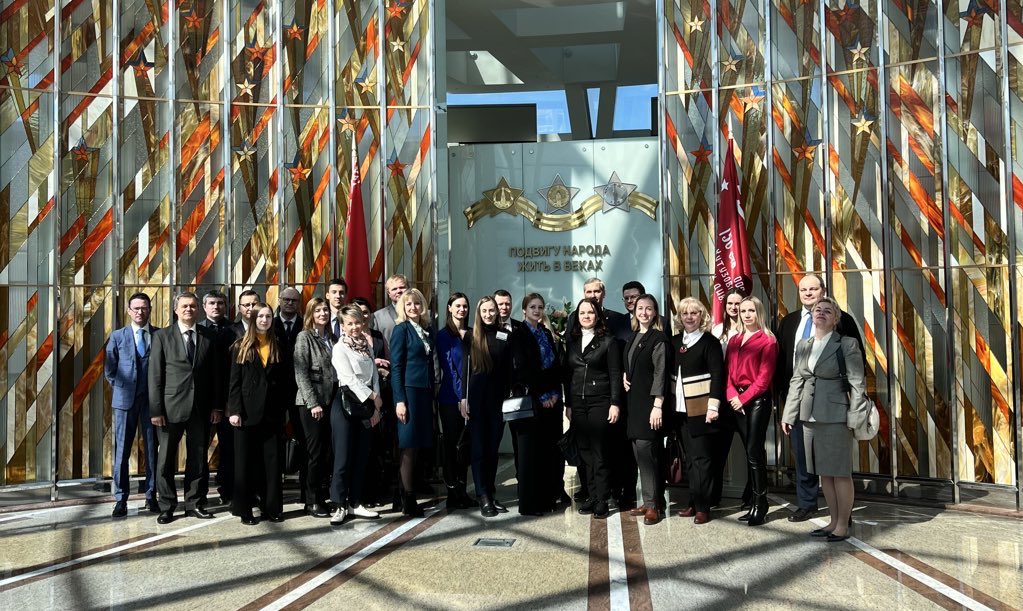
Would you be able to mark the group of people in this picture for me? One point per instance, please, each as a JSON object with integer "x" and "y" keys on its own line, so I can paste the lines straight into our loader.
{"x": 622, "y": 380}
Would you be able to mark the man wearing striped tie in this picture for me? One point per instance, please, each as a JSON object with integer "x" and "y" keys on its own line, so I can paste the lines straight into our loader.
{"x": 795, "y": 327}
{"x": 126, "y": 368}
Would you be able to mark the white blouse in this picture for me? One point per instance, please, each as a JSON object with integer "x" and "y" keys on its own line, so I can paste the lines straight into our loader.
{"x": 816, "y": 348}
{"x": 355, "y": 370}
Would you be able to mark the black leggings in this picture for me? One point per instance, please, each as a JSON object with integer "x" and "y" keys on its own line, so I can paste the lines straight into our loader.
{"x": 752, "y": 429}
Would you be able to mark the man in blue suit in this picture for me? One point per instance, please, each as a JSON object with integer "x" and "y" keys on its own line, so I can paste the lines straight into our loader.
{"x": 126, "y": 368}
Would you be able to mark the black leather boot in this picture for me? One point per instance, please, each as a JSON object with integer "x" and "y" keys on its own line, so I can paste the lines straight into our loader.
{"x": 410, "y": 507}
{"x": 758, "y": 514}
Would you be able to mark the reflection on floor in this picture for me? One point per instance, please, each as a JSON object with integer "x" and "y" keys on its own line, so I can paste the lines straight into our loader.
{"x": 900, "y": 558}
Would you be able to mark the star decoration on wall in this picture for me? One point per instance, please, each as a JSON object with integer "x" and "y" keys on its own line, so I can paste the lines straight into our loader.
{"x": 141, "y": 66}
{"x": 863, "y": 124}
{"x": 10, "y": 60}
{"x": 397, "y": 45}
{"x": 366, "y": 85}
{"x": 695, "y": 24}
{"x": 193, "y": 21}
{"x": 244, "y": 152}
{"x": 347, "y": 124}
{"x": 298, "y": 172}
{"x": 615, "y": 193}
{"x": 974, "y": 14}
{"x": 245, "y": 88}
{"x": 396, "y": 167}
{"x": 732, "y": 63}
{"x": 751, "y": 101}
{"x": 702, "y": 154}
{"x": 503, "y": 196}
{"x": 859, "y": 52}
{"x": 396, "y": 10}
{"x": 804, "y": 152}
{"x": 82, "y": 152}
{"x": 294, "y": 31}
{"x": 846, "y": 11}
{"x": 558, "y": 196}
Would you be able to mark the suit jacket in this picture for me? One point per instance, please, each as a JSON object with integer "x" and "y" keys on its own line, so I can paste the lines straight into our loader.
{"x": 411, "y": 366}
{"x": 384, "y": 321}
{"x": 178, "y": 387}
{"x": 647, "y": 372}
{"x": 286, "y": 345}
{"x": 225, "y": 335}
{"x": 239, "y": 329}
{"x": 703, "y": 357}
{"x": 595, "y": 371}
{"x": 314, "y": 374}
{"x": 255, "y": 391}
{"x": 786, "y": 330}
{"x": 821, "y": 393}
{"x": 125, "y": 370}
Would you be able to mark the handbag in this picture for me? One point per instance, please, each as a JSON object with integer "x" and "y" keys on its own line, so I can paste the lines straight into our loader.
{"x": 675, "y": 461}
{"x": 292, "y": 456}
{"x": 696, "y": 393}
{"x": 570, "y": 449}
{"x": 517, "y": 407}
{"x": 866, "y": 429}
{"x": 353, "y": 408}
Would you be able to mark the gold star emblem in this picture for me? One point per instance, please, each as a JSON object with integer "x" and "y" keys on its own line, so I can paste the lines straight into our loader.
{"x": 245, "y": 88}
{"x": 859, "y": 52}
{"x": 245, "y": 153}
{"x": 347, "y": 124}
{"x": 299, "y": 173}
{"x": 804, "y": 152}
{"x": 558, "y": 195}
{"x": 503, "y": 196}
{"x": 695, "y": 24}
{"x": 295, "y": 32}
{"x": 863, "y": 125}
{"x": 367, "y": 85}
{"x": 397, "y": 45}
{"x": 750, "y": 102}
{"x": 731, "y": 64}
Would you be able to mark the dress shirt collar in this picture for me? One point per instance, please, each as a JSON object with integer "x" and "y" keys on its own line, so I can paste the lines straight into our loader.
{"x": 689, "y": 338}
{"x": 135, "y": 329}
{"x": 182, "y": 327}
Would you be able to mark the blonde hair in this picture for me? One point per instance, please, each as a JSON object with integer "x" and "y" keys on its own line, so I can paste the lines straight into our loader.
{"x": 689, "y": 304}
{"x": 656, "y": 322}
{"x": 761, "y": 311}
{"x": 407, "y": 296}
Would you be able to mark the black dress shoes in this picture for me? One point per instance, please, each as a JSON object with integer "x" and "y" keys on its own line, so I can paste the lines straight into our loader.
{"x": 563, "y": 499}
{"x": 199, "y": 512}
{"x": 487, "y": 509}
{"x": 820, "y": 532}
{"x": 802, "y": 515}
{"x": 499, "y": 506}
{"x": 275, "y": 517}
{"x": 580, "y": 496}
{"x": 120, "y": 510}
{"x": 165, "y": 517}
{"x": 317, "y": 510}
{"x": 600, "y": 510}
{"x": 153, "y": 506}
{"x": 587, "y": 507}
{"x": 249, "y": 520}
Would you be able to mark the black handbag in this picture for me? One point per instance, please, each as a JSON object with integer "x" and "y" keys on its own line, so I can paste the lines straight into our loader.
{"x": 293, "y": 459}
{"x": 353, "y": 408}
{"x": 570, "y": 449}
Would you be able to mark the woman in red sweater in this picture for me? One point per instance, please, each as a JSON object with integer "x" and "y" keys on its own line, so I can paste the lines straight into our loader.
{"x": 751, "y": 358}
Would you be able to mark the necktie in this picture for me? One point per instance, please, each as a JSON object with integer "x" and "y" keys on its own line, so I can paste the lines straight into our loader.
{"x": 807, "y": 327}
{"x": 287, "y": 328}
{"x": 190, "y": 346}
{"x": 140, "y": 342}
{"x": 337, "y": 328}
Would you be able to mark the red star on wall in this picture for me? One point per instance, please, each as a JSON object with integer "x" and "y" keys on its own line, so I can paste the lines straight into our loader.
{"x": 805, "y": 152}
{"x": 397, "y": 167}
{"x": 702, "y": 154}
{"x": 193, "y": 21}
{"x": 295, "y": 31}
{"x": 395, "y": 10}
{"x": 299, "y": 173}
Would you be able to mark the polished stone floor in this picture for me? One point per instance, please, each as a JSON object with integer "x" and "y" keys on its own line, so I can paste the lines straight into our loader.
{"x": 900, "y": 558}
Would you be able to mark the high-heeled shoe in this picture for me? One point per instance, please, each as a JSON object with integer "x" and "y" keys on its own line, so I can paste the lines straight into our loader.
{"x": 410, "y": 507}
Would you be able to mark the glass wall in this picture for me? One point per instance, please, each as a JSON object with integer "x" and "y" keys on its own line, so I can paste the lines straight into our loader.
{"x": 875, "y": 143}
{"x": 196, "y": 145}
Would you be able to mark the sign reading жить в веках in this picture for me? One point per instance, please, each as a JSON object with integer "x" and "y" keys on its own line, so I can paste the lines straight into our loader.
{"x": 574, "y": 258}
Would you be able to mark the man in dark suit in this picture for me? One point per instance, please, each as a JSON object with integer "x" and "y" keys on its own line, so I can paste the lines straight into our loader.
{"x": 337, "y": 296}
{"x": 790, "y": 330}
{"x": 185, "y": 374}
{"x": 247, "y": 302}
{"x": 214, "y": 304}
{"x": 126, "y": 368}
{"x": 503, "y": 299}
{"x": 632, "y": 291}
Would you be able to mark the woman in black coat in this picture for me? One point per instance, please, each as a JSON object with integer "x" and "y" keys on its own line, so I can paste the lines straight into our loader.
{"x": 540, "y": 468}
{"x": 487, "y": 374}
{"x": 593, "y": 383}
{"x": 699, "y": 388}
{"x": 255, "y": 408}
{"x": 645, "y": 381}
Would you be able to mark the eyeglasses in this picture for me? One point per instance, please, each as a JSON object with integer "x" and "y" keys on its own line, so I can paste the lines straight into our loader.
{"x": 140, "y": 310}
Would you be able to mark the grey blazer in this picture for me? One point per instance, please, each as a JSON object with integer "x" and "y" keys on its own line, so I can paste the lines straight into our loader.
{"x": 384, "y": 320}
{"x": 176, "y": 386}
{"x": 821, "y": 393}
{"x": 314, "y": 373}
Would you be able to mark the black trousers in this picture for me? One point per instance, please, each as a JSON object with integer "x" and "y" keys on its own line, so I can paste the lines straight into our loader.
{"x": 589, "y": 422}
{"x": 622, "y": 461}
{"x": 539, "y": 464}
{"x": 225, "y": 458}
{"x": 195, "y": 430}
{"x": 351, "y": 441}
{"x": 315, "y": 436}
{"x": 649, "y": 458}
{"x": 721, "y": 449}
{"x": 752, "y": 428}
{"x": 257, "y": 451}
{"x": 486, "y": 428}
{"x": 456, "y": 463}
{"x": 700, "y": 453}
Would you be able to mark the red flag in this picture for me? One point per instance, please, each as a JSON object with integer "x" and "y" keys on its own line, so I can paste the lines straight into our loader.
{"x": 356, "y": 245}
{"x": 732, "y": 267}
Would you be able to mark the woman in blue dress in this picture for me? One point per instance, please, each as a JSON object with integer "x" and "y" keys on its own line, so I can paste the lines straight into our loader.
{"x": 412, "y": 354}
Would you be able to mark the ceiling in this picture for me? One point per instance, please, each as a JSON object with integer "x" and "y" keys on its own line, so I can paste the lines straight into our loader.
{"x": 533, "y": 45}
